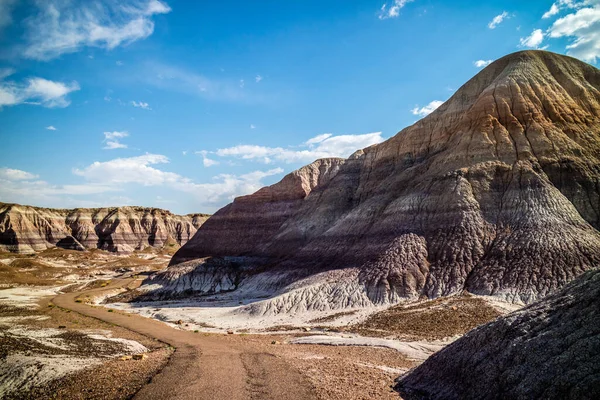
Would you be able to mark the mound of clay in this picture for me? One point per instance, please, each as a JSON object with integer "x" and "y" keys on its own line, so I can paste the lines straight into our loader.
{"x": 496, "y": 192}
{"x": 549, "y": 350}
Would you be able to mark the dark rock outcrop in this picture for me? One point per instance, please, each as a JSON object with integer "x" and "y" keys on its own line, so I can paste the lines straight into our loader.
{"x": 549, "y": 350}
{"x": 25, "y": 229}
{"x": 497, "y": 192}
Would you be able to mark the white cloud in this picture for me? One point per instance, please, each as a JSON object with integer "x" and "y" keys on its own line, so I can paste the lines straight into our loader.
{"x": 482, "y": 63}
{"x": 51, "y": 128}
{"x": 16, "y": 174}
{"x": 560, "y": 5}
{"x": 184, "y": 152}
{"x": 119, "y": 63}
{"x": 207, "y": 162}
{"x": 141, "y": 104}
{"x": 498, "y": 19}
{"x": 242, "y": 83}
{"x": 122, "y": 174}
{"x": 61, "y": 27}
{"x": 428, "y": 109}
{"x": 583, "y": 26}
{"x": 252, "y": 126}
{"x": 258, "y": 78}
{"x": 392, "y": 10}
{"x": 36, "y": 91}
{"x": 551, "y": 12}
{"x": 112, "y": 140}
{"x": 142, "y": 170}
{"x": 115, "y": 135}
{"x": 129, "y": 170}
{"x": 114, "y": 144}
{"x": 322, "y": 146}
{"x": 534, "y": 40}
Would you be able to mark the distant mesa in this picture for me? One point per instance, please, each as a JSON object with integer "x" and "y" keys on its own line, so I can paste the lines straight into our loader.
{"x": 26, "y": 229}
{"x": 495, "y": 193}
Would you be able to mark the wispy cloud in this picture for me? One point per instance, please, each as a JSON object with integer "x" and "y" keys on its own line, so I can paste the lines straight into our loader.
{"x": 141, "y": 104}
{"x": 51, "y": 128}
{"x": 38, "y": 91}
{"x": 482, "y": 63}
{"x": 428, "y": 109}
{"x": 497, "y": 20}
{"x": 321, "y": 146}
{"x": 112, "y": 140}
{"x": 392, "y": 10}
{"x": 207, "y": 162}
{"x": 61, "y": 27}
{"x": 173, "y": 78}
{"x": 258, "y": 78}
{"x": 6, "y": 7}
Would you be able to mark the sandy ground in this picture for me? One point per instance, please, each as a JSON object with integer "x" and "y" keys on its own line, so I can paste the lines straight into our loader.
{"x": 43, "y": 347}
{"x": 349, "y": 354}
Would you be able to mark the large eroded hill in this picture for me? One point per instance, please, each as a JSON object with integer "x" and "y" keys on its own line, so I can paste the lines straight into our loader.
{"x": 497, "y": 192}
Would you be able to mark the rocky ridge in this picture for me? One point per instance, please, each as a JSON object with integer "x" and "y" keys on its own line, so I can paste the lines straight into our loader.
{"x": 496, "y": 193}
{"x": 26, "y": 229}
{"x": 549, "y": 350}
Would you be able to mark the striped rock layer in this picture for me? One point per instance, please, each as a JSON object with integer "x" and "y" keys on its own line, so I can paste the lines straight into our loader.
{"x": 497, "y": 192}
{"x": 25, "y": 229}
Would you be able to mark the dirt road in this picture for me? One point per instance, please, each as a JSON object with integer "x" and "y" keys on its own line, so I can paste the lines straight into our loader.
{"x": 203, "y": 366}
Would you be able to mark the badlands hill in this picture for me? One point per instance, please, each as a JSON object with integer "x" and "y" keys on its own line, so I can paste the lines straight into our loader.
{"x": 497, "y": 193}
{"x": 25, "y": 229}
{"x": 549, "y": 350}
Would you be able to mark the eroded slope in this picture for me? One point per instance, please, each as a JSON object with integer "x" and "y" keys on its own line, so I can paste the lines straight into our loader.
{"x": 549, "y": 350}
{"x": 496, "y": 193}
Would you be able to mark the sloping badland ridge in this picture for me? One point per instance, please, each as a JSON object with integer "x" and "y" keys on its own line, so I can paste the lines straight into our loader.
{"x": 496, "y": 192}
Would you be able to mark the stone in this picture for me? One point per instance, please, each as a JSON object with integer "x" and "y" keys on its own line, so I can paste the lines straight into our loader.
{"x": 140, "y": 356}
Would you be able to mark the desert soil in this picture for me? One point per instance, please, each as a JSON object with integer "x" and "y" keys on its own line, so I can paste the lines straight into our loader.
{"x": 204, "y": 364}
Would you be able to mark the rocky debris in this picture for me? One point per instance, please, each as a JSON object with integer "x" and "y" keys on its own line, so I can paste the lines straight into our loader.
{"x": 495, "y": 193}
{"x": 138, "y": 357}
{"x": 25, "y": 229}
{"x": 549, "y": 350}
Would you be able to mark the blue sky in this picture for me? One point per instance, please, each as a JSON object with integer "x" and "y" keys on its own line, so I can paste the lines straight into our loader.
{"x": 186, "y": 104}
